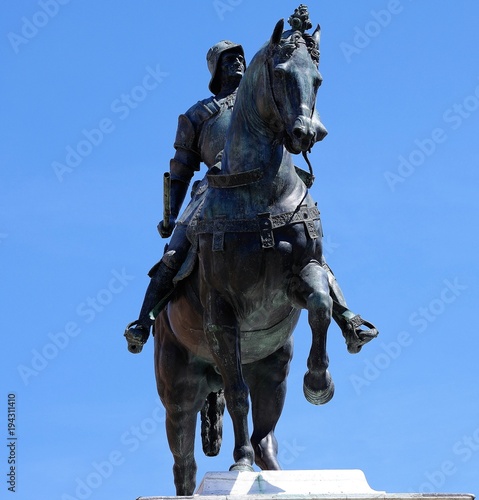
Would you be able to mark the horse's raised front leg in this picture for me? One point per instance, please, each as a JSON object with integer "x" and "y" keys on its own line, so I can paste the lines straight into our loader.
{"x": 223, "y": 337}
{"x": 267, "y": 382}
{"x": 311, "y": 289}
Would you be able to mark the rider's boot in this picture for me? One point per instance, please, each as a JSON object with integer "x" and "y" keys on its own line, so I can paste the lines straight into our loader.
{"x": 159, "y": 290}
{"x": 349, "y": 323}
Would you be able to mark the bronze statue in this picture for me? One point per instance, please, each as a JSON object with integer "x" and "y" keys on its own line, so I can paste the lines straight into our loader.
{"x": 245, "y": 257}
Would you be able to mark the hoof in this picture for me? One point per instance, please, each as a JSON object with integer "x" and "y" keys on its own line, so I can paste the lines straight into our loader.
{"x": 322, "y": 396}
{"x": 241, "y": 467}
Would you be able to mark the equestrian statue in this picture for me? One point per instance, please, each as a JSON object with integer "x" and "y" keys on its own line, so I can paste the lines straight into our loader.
{"x": 245, "y": 256}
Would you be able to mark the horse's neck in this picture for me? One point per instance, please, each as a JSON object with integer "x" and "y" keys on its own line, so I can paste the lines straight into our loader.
{"x": 252, "y": 142}
{"x": 278, "y": 188}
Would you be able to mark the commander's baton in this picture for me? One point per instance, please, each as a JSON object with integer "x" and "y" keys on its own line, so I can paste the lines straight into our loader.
{"x": 166, "y": 201}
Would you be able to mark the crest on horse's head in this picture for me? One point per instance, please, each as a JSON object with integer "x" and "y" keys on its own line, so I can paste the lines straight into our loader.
{"x": 290, "y": 40}
{"x": 299, "y": 20}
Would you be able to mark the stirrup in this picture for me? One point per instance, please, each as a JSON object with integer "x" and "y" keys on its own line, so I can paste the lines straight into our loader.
{"x": 356, "y": 337}
{"x": 136, "y": 336}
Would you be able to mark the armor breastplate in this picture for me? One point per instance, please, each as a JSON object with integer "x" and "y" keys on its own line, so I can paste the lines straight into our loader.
{"x": 213, "y": 133}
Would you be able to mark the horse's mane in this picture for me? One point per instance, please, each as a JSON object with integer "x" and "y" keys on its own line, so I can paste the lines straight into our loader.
{"x": 290, "y": 41}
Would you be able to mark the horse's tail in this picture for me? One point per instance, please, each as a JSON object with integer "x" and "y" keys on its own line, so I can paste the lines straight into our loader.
{"x": 212, "y": 423}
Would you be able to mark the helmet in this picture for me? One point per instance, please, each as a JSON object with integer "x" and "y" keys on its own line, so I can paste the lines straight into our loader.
{"x": 213, "y": 57}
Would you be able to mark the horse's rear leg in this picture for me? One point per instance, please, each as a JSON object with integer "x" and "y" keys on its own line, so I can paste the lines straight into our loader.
{"x": 182, "y": 390}
{"x": 223, "y": 337}
{"x": 180, "y": 430}
{"x": 267, "y": 382}
{"x": 312, "y": 290}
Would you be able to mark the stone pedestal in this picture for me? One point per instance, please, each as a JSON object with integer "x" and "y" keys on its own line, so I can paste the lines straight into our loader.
{"x": 294, "y": 482}
{"x": 299, "y": 485}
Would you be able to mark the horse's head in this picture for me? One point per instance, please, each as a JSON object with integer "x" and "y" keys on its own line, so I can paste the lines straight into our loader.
{"x": 294, "y": 79}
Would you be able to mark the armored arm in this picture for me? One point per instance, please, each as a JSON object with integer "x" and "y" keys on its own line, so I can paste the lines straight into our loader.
{"x": 182, "y": 168}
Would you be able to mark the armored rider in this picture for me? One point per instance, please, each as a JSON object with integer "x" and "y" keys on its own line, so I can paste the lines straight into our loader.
{"x": 200, "y": 138}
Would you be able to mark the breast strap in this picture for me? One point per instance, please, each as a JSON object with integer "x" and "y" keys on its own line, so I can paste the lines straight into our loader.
{"x": 263, "y": 224}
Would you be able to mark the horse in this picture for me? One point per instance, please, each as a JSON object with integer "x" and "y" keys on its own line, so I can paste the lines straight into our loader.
{"x": 225, "y": 336}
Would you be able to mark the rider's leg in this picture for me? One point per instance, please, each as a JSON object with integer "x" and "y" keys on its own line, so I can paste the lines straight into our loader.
{"x": 159, "y": 289}
{"x": 337, "y": 295}
{"x": 349, "y": 322}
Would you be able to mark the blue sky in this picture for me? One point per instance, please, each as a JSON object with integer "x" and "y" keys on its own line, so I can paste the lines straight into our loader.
{"x": 91, "y": 92}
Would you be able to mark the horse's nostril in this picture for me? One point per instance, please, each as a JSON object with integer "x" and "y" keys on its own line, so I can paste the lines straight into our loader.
{"x": 298, "y": 133}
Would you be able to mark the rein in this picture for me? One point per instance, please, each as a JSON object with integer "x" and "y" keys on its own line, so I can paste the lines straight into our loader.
{"x": 217, "y": 180}
{"x": 309, "y": 181}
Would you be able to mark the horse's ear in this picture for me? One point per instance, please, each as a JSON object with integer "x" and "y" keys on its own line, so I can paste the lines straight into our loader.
{"x": 317, "y": 35}
{"x": 278, "y": 31}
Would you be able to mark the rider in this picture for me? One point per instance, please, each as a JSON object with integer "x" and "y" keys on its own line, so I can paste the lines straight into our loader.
{"x": 200, "y": 138}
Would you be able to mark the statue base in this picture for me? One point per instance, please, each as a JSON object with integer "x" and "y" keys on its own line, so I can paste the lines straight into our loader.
{"x": 292, "y": 482}
{"x": 299, "y": 484}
